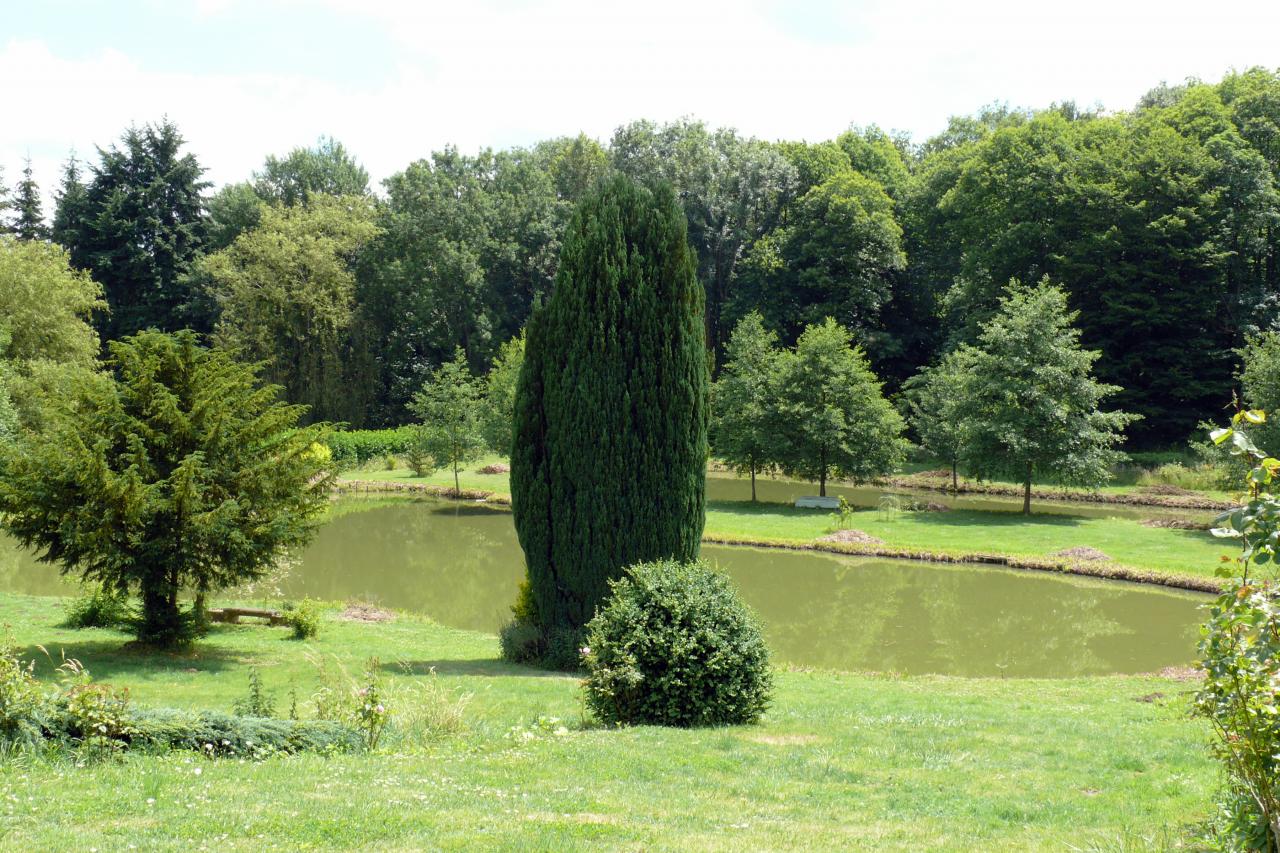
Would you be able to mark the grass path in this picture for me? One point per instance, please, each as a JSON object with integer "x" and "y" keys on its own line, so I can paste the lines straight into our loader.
{"x": 841, "y": 761}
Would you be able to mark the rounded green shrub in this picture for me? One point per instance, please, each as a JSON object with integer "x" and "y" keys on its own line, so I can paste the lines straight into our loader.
{"x": 675, "y": 646}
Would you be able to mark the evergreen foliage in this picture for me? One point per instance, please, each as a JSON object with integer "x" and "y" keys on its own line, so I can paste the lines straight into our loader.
{"x": 744, "y": 417}
{"x": 674, "y": 646}
{"x": 69, "y": 205}
{"x": 610, "y": 435}
{"x": 1030, "y": 406}
{"x": 834, "y": 422}
{"x": 138, "y": 228}
{"x": 176, "y": 473}
{"x": 28, "y": 219}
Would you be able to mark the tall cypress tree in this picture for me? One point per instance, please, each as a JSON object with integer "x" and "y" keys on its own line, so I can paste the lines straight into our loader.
{"x": 610, "y": 432}
{"x": 28, "y": 221}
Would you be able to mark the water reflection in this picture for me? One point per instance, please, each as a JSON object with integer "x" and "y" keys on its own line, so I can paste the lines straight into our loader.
{"x": 460, "y": 564}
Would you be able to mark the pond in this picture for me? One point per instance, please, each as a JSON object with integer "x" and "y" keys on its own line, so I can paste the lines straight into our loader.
{"x": 460, "y": 564}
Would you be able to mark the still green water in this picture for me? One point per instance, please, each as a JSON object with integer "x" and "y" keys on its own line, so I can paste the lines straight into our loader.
{"x": 460, "y": 564}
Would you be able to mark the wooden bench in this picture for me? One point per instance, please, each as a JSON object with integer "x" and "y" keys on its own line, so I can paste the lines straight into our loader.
{"x": 232, "y": 615}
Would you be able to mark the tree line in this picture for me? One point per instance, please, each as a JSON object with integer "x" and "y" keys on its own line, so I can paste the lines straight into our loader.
{"x": 1159, "y": 223}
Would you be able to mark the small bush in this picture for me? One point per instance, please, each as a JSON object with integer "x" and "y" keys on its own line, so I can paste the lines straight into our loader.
{"x": 304, "y": 620}
{"x": 428, "y": 711}
{"x": 354, "y": 448}
{"x": 1197, "y": 478}
{"x": 675, "y": 646}
{"x": 101, "y": 608}
{"x": 216, "y": 734}
{"x": 369, "y": 713}
{"x": 257, "y": 702}
{"x": 24, "y": 708}
{"x": 520, "y": 641}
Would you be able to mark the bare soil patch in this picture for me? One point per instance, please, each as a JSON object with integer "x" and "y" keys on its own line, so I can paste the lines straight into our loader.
{"x": 856, "y": 536}
{"x": 495, "y": 468}
{"x": 1165, "y": 489}
{"x": 1173, "y": 524}
{"x": 359, "y": 611}
{"x": 1082, "y": 552}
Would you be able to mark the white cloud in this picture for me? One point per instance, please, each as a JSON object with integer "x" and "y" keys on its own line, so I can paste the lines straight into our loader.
{"x": 503, "y": 72}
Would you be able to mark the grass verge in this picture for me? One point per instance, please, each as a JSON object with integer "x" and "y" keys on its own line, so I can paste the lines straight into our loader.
{"x": 840, "y": 761}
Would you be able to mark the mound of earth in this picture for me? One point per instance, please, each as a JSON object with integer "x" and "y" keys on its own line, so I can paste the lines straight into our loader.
{"x": 361, "y": 612}
{"x": 1082, "y": 552}
{"x": 1173, "y": 524}
{"x": 495, "y": 468}
{"x": 928, "y": 506}
{"x": 938, "y": 474}
{"x": 852, "y": 536}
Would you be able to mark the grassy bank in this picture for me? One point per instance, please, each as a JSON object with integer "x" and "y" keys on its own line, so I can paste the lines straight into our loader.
{"x": 957, "y": 533}
{"x": 840, "y": 761}
{"x": 1180, "y": 552}
{"x": 914, "y": 476}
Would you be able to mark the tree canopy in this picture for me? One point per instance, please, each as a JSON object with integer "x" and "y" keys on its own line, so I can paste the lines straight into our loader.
{"x": 175, "y": 472}
{"x": 1031, "y": 405}
{"x": 834, "y": 420}
{"x": 610, "y": 437}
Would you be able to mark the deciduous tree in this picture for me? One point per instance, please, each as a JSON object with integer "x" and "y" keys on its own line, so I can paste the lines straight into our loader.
{"x": 744, "y": 411}
{"x": 1031, "y": 405}
{"x": 451, "y": 407}
{"x": 834, "y": 422}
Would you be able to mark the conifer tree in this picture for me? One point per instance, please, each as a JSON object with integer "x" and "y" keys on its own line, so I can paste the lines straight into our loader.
{"x": 610, "y": 433}
{"x": 28, "y": 220}
{"x": 69, "y": 206}
{"x": 177, "y": 472}
{"x": 141, "y": 225}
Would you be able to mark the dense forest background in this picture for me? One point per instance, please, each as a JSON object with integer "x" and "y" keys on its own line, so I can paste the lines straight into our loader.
{"x": 1160, "y": 222}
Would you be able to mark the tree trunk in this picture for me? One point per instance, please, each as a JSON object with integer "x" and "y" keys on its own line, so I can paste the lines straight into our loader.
{"x": 1026, "y": 493}
{"x": 753, "y": 482}
{"x": 457, "y": 490}
{"x": 955, "y": 479}
{"x": 822, "y": 477}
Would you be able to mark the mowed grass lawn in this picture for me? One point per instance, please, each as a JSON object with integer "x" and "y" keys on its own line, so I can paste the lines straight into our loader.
{"x": 1188, "y": 552}
{"x": 841, "y": 761}
{"x": 1124, "y": 540}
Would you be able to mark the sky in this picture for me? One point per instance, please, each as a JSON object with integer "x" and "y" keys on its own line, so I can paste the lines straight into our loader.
{"x": 394, "y": 80}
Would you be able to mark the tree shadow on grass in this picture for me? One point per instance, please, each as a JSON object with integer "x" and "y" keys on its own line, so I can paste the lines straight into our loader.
{"x": 480, "y": 667}
{"x": 109, "y": 658}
